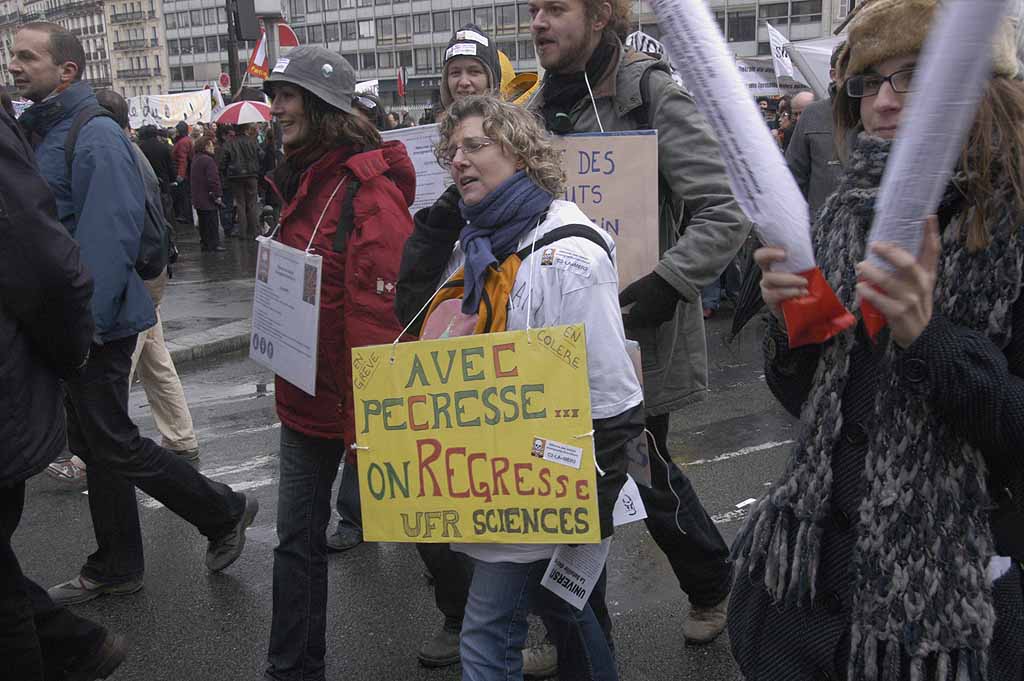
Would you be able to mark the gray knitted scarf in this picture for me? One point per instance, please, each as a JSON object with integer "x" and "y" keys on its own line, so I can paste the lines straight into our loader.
{"x": 921, "y": 592}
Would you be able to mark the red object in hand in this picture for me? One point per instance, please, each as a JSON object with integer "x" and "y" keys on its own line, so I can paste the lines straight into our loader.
{"x": 817, "y": 316}
{"x": 874, "y": 321}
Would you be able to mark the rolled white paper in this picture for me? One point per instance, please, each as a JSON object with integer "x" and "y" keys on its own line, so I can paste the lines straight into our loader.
{"x": 760, "y": 178}
{"x": 952, "y": 73}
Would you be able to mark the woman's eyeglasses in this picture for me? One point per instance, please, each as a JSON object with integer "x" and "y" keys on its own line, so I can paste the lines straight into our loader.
{"x": 870, "y": 84}
{"x": 470, "y": 145}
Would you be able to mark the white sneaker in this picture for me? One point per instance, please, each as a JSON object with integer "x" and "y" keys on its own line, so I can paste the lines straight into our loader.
{"x": 540, "y": 661}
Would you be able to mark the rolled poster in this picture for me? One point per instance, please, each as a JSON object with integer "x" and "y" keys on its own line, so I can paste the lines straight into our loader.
{"x": 954, "y": 67}
{"x": 758, "y": 174}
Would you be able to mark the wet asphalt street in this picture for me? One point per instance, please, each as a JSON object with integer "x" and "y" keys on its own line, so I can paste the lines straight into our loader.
{"x": 190, "y": 625}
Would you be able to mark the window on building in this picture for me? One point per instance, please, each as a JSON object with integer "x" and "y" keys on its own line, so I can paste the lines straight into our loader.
{"x": 508, "y": 47}
{"x": 764, "y": 49}
{"x": 506, "y": 19}
{"x": 423, "y": 61}
{"x": 385, "y": 30}
{"x": 197, "y": 17}
{"x": 368, "y": 60}
{"x": 188, "y": 73}
{"x": 348, "y": 30}
{"x": 526, "y": 50}
{"x": 351, "y": 58}
{"x": 183, "y": 21}
{"x": 524, "y": 16}
{"x": 314, "y": 6}
{"x": 485, "y": 18}
{"x": 403, "y": 29}
{"x": 740, "y": 27}
{"x": 211, "y": 44}
{"x": 210, "y": 16}
{"x": 382, "y": 2}
{"x": 386, "y": 60}
{"x": 222, "y": 15}
{"x": 443, "y": 21}
{"x": 172, "y": 47}
{"x": 461, "y": 17}
{"x": 316, "y": 35}
{"x": 806, "y": 11}
{"x": 439, "y": 57}
{"x": 405, "y": 57}
{"x": 300, "y": 33}
{"x": 421, "y": 23}
{"x": 331, "y": 33}
{"x": 366, "y": 29}
{"x": 330, "y": 5}
{"x": 365, "y": 3}
{"x": 171, "y": 20}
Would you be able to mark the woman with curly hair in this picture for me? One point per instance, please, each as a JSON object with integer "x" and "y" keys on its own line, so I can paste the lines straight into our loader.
{"x": 891, "y": 547}
{"x": 507, "y": 175}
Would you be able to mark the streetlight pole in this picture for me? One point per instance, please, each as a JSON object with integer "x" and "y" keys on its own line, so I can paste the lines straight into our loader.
{"x": 233, "y": 67}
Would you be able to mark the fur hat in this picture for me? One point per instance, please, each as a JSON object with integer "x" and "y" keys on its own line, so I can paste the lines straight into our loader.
{"x": 883, "y": 29}
{"x": 471, "y": 41}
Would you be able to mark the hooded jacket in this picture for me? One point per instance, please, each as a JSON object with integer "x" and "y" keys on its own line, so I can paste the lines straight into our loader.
{"x": 471, "y": 41}
{"x": 357, "y": 289}
{"x": 46, "y": 324}
{"x": 102, "y": 204}
{"x": 701, "y": 225}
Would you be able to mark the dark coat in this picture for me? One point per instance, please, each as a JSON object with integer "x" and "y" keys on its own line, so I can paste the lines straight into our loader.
{"x": 241, "y": 157}
{"x": 812, "y": 157}
{"x": 980, "y": 390}
{"x": 158, "y": 153}
{"x": 205, "y": 182}
{"x": 46, "y": 324}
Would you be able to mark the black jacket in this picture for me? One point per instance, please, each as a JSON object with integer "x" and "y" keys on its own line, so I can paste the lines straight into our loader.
{"x": 46, "y": 324}
{"x": 158, "y": 152}
{"x": 241, "y": 158}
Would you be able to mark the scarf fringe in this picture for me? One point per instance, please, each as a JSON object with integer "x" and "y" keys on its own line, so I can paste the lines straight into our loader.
{"x": 876, "y": 659}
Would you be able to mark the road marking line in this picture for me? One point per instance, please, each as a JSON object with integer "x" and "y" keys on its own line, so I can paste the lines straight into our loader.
{"x": 251, "y": 464}
{"x": 149, "y": 502}
{"x": 746, "y": 502}
{"x": 739, "y": 452}
{"x": 729, "y": 516}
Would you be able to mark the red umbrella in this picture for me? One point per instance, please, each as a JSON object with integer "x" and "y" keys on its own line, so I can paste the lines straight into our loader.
{"x": 244, "y": 112}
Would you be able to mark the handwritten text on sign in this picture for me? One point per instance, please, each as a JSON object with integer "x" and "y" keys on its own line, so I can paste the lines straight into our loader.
{"x": 613, "y": 178}
{"x": 477, "y": 439}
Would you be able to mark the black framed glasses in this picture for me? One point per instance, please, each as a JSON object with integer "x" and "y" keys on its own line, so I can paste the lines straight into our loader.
{"x": 870, "y": 84}
{"x": 470, "y": 145}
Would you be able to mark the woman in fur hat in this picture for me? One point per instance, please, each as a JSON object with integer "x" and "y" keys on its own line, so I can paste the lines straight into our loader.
{"x": 891, "y": 547}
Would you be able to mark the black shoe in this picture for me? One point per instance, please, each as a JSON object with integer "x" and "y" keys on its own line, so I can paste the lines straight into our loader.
{"x": 344, "y": 538}
{"x": 440, "y": 651}
{"x": 100, "y": 664}
{"x": 226, "y": 550}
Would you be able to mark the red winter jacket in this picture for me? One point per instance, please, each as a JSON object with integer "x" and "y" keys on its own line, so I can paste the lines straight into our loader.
{"x": 182, "y": 155}
{"x": 357, "y": 291}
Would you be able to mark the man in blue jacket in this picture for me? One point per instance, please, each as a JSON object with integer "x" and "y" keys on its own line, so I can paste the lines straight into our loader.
{"x": 46, "y": 329}
{"x": 101, "y": 202}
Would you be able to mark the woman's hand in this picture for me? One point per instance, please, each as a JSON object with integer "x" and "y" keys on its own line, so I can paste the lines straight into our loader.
{"x": 905, "y": 296}
{"x": 777, "y": 287}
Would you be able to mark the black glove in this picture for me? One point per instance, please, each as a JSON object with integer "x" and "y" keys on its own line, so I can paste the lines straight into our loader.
{"x": 654, "y": 302}
{"x": 444, "y": 216}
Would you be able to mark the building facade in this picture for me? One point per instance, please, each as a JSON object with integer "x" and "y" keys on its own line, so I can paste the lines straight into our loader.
{"x": 124, "y": 44}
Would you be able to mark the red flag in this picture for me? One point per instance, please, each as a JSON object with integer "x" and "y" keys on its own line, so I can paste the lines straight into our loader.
{"x": 401, "y": 81}
{"x": 286, "y": 36}
{"x": 259, "y": 62}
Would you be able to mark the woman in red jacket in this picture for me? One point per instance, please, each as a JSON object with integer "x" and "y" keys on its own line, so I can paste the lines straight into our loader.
{"x": 337, "y": 173}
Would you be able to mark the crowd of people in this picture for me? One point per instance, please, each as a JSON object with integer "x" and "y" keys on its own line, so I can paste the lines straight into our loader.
{"x": 891, "y": 545}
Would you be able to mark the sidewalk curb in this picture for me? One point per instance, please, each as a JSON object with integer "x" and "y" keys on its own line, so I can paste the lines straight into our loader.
{"x": 219, "y": 340}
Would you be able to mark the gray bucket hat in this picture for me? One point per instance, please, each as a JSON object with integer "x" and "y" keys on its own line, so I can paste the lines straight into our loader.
{"x": 326, "y": 74}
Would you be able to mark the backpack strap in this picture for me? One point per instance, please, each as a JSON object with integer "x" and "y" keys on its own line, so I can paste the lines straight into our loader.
{"x": 77, "y": 123}
{"x": 347, "y": 221}
{"x": 564, "y": 232}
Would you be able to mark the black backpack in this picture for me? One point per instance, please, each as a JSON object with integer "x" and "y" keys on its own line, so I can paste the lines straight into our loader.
{"x": 156, "y": 246}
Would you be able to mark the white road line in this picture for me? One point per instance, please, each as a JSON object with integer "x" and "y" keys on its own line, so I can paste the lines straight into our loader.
{"x": 234, "y": 469}
{"x": 729, "y": 516}
{"x": 149, "y": 502}
{"x": 739, "y": 452}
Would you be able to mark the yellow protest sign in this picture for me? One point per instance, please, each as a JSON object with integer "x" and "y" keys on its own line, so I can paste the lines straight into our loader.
{"x": 477, "y": 439}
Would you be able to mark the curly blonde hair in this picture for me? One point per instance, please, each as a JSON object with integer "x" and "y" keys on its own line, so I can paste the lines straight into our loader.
{"x": 516, "y": 130}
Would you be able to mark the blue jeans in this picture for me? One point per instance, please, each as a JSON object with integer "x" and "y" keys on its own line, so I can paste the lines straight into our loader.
{"x": 298, "y": 636}
{"x": 348, "y": 498}
{"x": 495, "y": 627}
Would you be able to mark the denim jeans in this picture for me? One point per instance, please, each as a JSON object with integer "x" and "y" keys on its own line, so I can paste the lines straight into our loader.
{"x": 711, "y": 296}
{"x": 494, "y": 630}
{"x": 348, "y": 497}
{"x": 38, "y": 638}
{"x": 298, "y": 630}
{"x": 102, "y": 434}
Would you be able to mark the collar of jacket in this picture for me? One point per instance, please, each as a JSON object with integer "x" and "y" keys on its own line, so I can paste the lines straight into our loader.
{"x": 42, "y": 116}
{"x": 621, "y": 82}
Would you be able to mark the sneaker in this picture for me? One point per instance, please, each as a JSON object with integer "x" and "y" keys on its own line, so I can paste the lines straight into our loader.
{"x": 705, "y": 624}
{"x": 66, "y": 471}
{"x": 344, "y": 538}
{"x": 440, "y": 651}
{"x": 102, "y": 663}
{"x": 226, "y": 550}
{"x": 82, "y": 590}
{"x": 540, "y": 661}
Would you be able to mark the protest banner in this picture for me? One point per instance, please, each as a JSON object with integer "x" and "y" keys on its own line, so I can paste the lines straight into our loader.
{"x": 166, "y": 111}
{"x": 477, "y": 439}
{"x": 286, "y": 313}
{"x": 780, "y": 55}
{"x": 613, "y": 178}
{"x": 431, "y": 178}
{"x": 759, "y": 77}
